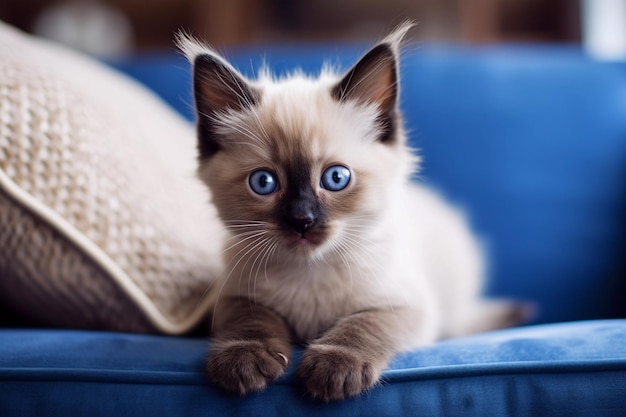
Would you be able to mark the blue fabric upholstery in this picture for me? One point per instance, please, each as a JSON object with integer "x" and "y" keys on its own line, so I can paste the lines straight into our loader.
{"x": 531, "y": 141}
{"x": 567, "y": 369}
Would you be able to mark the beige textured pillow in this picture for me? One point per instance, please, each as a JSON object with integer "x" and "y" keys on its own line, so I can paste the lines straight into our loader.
{"x": 102, "y": 222}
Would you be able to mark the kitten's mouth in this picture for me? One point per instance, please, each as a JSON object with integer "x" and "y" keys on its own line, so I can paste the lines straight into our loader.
{"x": 306, "y": 240}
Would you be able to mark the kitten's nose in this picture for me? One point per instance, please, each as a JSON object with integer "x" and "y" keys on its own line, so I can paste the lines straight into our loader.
{"x": 302, "y": 222}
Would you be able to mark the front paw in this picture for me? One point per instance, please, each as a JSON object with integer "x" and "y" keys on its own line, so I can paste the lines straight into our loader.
{"x": 245, "y": 366}
{"x": 335, "y": 372}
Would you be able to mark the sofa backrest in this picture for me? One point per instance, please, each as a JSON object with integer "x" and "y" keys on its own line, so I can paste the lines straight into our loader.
{"x": 531, "y": 143}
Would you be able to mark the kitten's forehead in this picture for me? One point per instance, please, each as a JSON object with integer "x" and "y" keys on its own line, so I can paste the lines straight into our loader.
{"x": 297, "y": 106}
{"x": 299, "y": 117}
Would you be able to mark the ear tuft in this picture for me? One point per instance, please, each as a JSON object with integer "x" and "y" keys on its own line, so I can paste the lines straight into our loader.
{"x": 396, "y": 37}
{"x": 190, "y": 46}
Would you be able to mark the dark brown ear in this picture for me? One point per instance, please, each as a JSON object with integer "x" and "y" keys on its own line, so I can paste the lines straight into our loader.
{"x": 218, "y": 88}
{"x": 374, "y": 80}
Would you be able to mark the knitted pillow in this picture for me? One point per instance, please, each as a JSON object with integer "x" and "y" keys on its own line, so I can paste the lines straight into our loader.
{"x": 103, "y": 224}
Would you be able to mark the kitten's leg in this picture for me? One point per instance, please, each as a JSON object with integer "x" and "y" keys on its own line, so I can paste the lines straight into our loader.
{"x": 251, "y": 346}
{"x": 351, "y": 356}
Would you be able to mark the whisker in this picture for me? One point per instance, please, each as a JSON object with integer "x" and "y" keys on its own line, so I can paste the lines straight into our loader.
{"x": 362, "y": 246}
{"x": 242, "y": 226}
{"x": 225, "y": 280}
{"x": 252, "y": 236}
{"x": 256, "y": 252}
{"x": 246, "y": 221}
{"x": 370, "y": 258}
{"x": 248, "y": 256}
{"x": 272, "y": 251}
{"x": 345, "y": 261}
{"x": 262, "y": 256}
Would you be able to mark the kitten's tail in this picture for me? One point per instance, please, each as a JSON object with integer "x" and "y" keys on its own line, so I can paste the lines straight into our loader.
{"x": 495, "y": 314}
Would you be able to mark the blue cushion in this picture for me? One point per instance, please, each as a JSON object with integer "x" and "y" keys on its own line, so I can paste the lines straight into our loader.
{"x": 564, "y": 369}
{"x": 530, "y": 141}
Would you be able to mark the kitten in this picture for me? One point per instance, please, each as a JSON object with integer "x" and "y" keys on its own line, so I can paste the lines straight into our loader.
{"x": 330, "y": 244}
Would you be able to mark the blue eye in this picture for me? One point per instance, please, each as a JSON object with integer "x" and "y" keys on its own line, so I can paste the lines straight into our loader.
{"x": 263, "y": 182}
{"x": 336, "y": 178}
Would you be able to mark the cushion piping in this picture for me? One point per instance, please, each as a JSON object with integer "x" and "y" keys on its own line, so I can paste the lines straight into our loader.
{"x": 94, "y": 252}
{"x": 389, "y": 376}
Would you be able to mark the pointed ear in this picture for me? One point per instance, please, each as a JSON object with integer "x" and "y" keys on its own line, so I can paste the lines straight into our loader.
{"x": 374, "y": 80}
{"x": 217, "y": 88}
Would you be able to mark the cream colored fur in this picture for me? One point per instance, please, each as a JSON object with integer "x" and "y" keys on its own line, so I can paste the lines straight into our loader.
{"x": 391, "y": 244}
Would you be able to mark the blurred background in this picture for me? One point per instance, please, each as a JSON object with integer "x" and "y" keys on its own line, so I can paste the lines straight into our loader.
{"x": 114, "y": 27}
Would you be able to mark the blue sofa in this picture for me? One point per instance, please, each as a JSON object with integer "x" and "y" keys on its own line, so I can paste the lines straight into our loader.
{"x": 531, "y": 142}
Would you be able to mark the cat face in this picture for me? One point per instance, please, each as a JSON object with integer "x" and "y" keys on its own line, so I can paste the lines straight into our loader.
{"x": 300, "y": 166}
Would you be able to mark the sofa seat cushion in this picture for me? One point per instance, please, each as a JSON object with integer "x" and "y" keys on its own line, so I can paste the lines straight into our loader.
{"x": 559, "y": 369}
